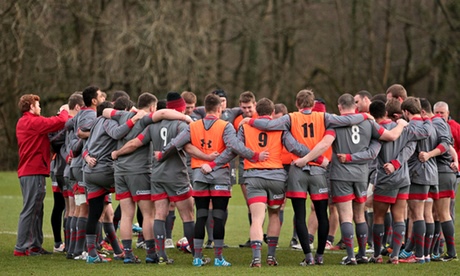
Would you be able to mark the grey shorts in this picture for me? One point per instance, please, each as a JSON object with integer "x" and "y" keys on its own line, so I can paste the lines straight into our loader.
{"x": 271, "y": 192}
{"x": 423, "y": 192}
{"x": 135, "y": 186}
{"x": 390, "y": 196}
{"x": 99, "y": 184}
{"x": 77, "y": 174}
{"x": 343, "y": 191}
{"x": 172, "y": 191}
{"x": 202, "y": 189}
{"x": 301, "y": 182}
{"x": 447, "y": 184}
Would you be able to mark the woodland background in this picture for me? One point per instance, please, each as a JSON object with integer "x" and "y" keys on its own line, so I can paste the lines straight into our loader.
{"x": 271, "y": 47}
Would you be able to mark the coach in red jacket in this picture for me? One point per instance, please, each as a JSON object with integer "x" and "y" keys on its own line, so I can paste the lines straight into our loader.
{"x": 34, "y": 165}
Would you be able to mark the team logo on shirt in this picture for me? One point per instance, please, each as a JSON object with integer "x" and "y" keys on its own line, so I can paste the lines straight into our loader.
{"x": 323, "y": 190}
{"x": 221, "y": 187}
{"x": 279, "y": 196}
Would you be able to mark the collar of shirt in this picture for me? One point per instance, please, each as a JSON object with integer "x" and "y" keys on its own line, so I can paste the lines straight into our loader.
{"x": 306, "y": 110}
{"x": 265, "y": 117}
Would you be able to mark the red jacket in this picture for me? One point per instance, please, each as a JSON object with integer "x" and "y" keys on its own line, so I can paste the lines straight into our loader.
{"x": 455, "y": 129}
{"x": 33, "y": 142}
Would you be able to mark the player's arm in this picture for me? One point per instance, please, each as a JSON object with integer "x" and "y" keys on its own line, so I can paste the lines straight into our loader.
{"x": 416, "y": 132}
{"x": 402, "y": 157}
{"x": 454, "y": 164}
{"x": 114, "y": 114}
{"x": 142, "y": 139}
{"x": 444, "y": 141}
{"x": 237, "y": 146}
{"x": 197, "y": 153}
{"x": 175, "y": 144}
{"x": 318, "y": 150}
{"x": 333, "y": 121}
{"x": 170, "y": 114}
{"x": 393, "y": 134}
{"x": 363, "y": 156}
{"x": 282, "y": 123}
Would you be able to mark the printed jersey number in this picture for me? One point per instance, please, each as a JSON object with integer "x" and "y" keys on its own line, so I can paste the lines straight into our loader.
{"x": 355, "y": 138}
{"x": 206, "y": 143}
{"x": 164, "y": 135}
{"x": 308, "y": 130}
{"x": 263, "y": 137}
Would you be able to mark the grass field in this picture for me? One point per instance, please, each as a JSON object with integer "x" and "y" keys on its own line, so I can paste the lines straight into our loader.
{"x": 236, "y": 232}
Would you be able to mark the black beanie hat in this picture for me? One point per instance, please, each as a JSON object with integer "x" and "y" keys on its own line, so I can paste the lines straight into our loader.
{"x": 220, "y": 93}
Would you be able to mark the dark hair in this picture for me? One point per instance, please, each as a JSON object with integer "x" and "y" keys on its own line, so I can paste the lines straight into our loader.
{"x": 118, "y": 94}
{"x": 377, "y": 109}
{"x": 123, "y": 103}
{"x": 426, "y": 105}
{"x": 146, "y": 100}
{"x": 89, "y": 94}
{"x": 265, "y": 107}
{"x": 26, "y": 101}
{"x": 280, "y": 108}
{"x": 379, "y": 97}
{"x": 364, "y": 93}
{"x": 220, "y": 93}
{"x": 161, "y": 104}
{"x": 412, "y": 105}
{"x": 211, "y": 103}
{"x": 74, "y": 99}
{"x": 100, "y": 108}
{"x": 347, "y": 101}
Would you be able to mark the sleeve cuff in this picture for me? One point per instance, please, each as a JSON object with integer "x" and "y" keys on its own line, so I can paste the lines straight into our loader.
{"x": 320, "y": 159}
{"x": 130, "y": 123}
{"x": 85, "y": 154}
{"x": 255, "y": 157}
{"x": 348, "y": 158}
{"x": 71, "y": 154}
{"x": 441, "y": 148}
{"x": 113, "y": 113}
{"x": 251, "y": 122}
{"x": 212, "y": 164}
{"x": 395, "y": 164}
{"x": 365, "y": 116}
{"x": 160, "y": 155}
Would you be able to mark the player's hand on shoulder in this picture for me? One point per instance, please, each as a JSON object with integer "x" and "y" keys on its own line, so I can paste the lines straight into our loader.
{"x": 402, "y": 122}
{"x": 244, "y": 121}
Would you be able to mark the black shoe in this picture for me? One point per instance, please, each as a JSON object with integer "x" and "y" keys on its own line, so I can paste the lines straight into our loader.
{"x": 342, "y": 245}
{"x": 247, "y": 244}
{"x": 265, "y": 238}
{"x": 208, "y": 245}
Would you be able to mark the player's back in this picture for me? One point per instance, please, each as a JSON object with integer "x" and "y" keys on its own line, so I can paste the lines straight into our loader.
{"x": 352, "y": 139}
{"x": 173, "y": 168}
